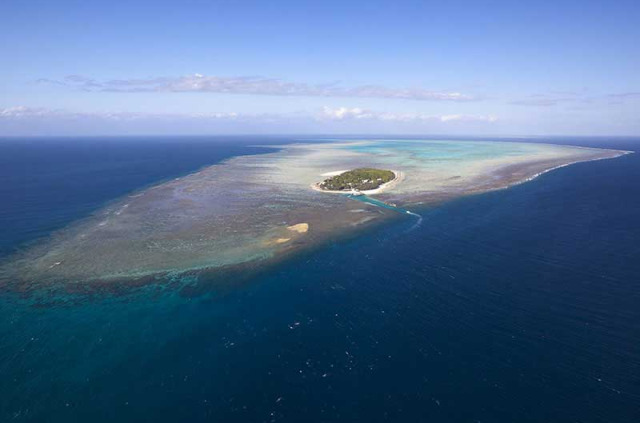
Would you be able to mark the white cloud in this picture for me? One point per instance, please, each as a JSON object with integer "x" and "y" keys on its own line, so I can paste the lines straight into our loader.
{"x": 344, "y": 113}
{"x": 22, "y": 120}
{"x": 341, "y": 113}
{"x": 575, "y": 98}
{"x": 255, "y": 86}
{"x": 327, "y": 113}
{"x": 23, "y": 112}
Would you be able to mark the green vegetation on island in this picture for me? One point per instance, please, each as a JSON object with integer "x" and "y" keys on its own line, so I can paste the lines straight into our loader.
{"x": 362, "y": 179}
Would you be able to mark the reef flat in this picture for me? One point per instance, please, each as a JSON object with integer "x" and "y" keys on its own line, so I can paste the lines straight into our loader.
{"x": 253, "y": 209}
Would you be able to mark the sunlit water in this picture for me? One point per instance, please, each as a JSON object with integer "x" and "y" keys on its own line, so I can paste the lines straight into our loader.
{"x": 258, "y": 208}
{"x": 515, "y": 305}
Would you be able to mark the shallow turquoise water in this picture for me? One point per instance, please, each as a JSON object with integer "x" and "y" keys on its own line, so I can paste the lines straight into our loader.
{"x": 446, "y": 150}
{"x": 517, "y": 305}
{"x": 377, "y": 203}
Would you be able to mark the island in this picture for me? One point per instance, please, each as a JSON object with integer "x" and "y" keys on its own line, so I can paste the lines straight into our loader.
{"x": 360, "y": 179}
{"x": 249, "y": 211}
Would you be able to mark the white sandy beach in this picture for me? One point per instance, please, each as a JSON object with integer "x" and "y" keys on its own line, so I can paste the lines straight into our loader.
{"x": 387, "y": 186}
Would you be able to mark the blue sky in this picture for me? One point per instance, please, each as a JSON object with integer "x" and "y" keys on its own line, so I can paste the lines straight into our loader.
{"x": 456, "y": 67}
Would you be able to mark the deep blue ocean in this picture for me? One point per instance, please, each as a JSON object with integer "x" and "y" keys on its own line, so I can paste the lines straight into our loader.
{"x": 520, "y": 305}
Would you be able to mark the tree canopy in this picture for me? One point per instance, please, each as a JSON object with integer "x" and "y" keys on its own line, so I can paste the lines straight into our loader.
{"x": 361, "y": 179}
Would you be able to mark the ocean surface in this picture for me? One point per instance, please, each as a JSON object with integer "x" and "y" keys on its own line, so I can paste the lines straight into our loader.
{"x": 519, "y": 305}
